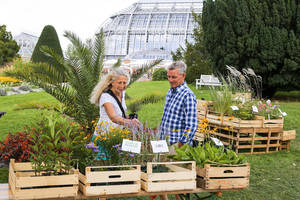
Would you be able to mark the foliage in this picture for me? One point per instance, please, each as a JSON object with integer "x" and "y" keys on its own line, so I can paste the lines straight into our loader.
{"x": 262, "y": 35}
{"x": 194, "y": 54}
{"x": 8, "y": 46}
{"x": 222, "y": 99}
{"x": 288, "y": 95}
{"x": 208, "y": 154}
{"x": 52, "y": 145}
{"x": 16, "y": 146}
{"x": 50, "y": 39}
{"x": 134, "y": 105}
{"x": 160, "y": 74}
{"x": 245, "y": 111}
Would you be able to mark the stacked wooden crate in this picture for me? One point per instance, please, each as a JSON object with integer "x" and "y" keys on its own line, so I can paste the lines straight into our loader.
{"x": 256, "y": 136}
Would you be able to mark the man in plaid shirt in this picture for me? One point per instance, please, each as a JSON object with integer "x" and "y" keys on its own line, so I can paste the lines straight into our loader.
{"x": 179, "y": 120}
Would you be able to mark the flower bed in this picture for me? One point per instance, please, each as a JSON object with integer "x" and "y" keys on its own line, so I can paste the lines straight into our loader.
{"x": 106, "y": 180}
{"x": 25, "y": 185}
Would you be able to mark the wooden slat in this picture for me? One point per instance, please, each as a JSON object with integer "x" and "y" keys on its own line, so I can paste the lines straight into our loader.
{"x": 169, "y": 186}
{"x": 112, "y": 189}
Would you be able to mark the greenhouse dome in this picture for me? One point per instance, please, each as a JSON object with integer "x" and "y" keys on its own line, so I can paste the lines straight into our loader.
{"x": 150, "y": 29}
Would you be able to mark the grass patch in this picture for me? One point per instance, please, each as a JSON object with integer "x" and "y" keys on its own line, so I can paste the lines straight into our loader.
{"x": 15, "y": 120}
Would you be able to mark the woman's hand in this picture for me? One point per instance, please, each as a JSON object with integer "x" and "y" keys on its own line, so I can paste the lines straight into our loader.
{"x": 132, "y": 123}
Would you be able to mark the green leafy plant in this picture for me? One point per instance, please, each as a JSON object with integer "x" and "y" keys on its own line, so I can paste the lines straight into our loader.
{"x": 222, "y": 99}
{"x": 160, "y": 75}
{"x": 52, "y": 144}
{"x": 207, "y": 154}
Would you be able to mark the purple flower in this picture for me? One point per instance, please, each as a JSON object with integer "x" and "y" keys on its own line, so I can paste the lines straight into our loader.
{"x": 117, "y": 145}
{"x": 131, "y": 155}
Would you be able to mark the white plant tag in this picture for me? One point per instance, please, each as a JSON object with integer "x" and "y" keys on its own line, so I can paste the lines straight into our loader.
{"x": 254, "y": 109}
{"x": 131, "y": 146}
{"x": 234, "y": 107}
{"x": 282, "y": 113}
{"x": 159, "y": 146}
{"x": 216, "y": 141}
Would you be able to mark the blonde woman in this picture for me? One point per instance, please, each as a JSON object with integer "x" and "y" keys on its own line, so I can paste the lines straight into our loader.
{"x": 109, "y": 95}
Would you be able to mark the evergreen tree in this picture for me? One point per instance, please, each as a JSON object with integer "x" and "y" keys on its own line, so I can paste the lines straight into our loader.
{"x": 50, "y": 39}
{"x": 8, "y": 47}
{"x": 262, "y": 35}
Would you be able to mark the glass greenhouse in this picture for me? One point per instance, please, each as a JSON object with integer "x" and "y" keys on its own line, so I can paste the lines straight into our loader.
{"x": 150, "y": 29}
{"x": 27, "y": 43}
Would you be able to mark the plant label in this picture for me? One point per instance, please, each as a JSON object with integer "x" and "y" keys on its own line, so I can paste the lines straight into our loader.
{"x": 282, "y": 113}
{"x": 234, "y": 107}
{"x": 131, "y": 146}
{"x": 159, "y": 146}
{"x": 217, "y": 141}
{"x": 254, "y": 109}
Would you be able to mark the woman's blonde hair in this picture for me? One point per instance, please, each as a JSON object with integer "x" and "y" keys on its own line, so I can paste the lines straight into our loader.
{"x": 106, "y": 83}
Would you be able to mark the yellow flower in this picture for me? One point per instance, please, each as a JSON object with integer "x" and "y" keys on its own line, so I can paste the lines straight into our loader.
{"x": 226, "y": 128}
{"x": 230, "y": 118}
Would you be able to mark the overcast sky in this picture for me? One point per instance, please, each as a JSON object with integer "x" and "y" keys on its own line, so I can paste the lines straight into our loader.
{"x": 83, "y": 17}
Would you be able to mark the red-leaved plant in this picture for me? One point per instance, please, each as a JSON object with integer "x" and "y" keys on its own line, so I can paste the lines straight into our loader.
{"x": 16, "y": 146}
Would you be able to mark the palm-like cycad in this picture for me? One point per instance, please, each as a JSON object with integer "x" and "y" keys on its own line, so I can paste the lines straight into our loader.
{"x": 81, "y": 72}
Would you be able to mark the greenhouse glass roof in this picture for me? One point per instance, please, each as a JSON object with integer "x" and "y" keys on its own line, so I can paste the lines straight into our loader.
{"x": 150, "y": 28}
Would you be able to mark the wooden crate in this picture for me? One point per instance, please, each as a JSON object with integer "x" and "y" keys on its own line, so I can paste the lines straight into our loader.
{"x": 179, "y": 177}
{"x": 24, "y": 185}
{"x": 250, "y": 140}
{"x": 104, "y": 180}
{"x": 223, "y": 177}
{"x": 226, "y": 121}
{"x": 288, "y": 135}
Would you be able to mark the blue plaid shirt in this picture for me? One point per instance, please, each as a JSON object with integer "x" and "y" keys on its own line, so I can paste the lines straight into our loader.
{"x": 179, "y": 120}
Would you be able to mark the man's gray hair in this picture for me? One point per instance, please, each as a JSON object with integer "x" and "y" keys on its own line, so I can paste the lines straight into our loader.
{"x": 180, "y": 65}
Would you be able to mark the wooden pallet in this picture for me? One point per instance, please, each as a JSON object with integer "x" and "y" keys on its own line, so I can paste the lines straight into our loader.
{"x": 106, "y": 180}
{"x": 250, "y": 140}
{"x": 24, "y": 185}
{"x": 223, "y": 177}
{"x": 178, "y": 177}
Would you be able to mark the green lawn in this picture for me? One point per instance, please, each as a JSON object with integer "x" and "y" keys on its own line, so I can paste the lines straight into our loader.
{"x": 273, "y": 176}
